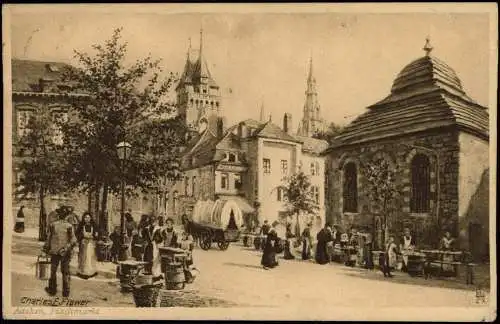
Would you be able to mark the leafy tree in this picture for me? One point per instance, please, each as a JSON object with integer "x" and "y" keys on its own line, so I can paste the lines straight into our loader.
{"x": 330, "y": 133}
{"x": 124, "y": 103}
{"x": 382, "y": 188}
{"x": 44, "y": 163}
{"x": 299, "y": 196}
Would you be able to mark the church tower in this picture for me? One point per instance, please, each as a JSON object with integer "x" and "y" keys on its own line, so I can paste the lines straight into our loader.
{"x": 198, "y": 95}
{"x": 311, "y": 121}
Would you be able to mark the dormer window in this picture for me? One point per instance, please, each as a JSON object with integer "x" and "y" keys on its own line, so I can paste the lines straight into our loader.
{"x": 231, "y": 157}
{"x": 52, "y": 68}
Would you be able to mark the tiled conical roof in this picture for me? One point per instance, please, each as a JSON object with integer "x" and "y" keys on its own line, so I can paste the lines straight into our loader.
{"x": 427, "y": 71}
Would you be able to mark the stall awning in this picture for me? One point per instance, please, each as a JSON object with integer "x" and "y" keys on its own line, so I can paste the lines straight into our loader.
{"x": 241, "y": 202}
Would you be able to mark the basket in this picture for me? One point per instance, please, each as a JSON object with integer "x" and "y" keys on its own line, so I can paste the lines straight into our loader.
{"x": 43, "y": 267}
{"x": 146, "y": 295}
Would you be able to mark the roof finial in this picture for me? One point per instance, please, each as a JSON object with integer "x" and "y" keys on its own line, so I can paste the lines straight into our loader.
{"x": 427, "y": 48}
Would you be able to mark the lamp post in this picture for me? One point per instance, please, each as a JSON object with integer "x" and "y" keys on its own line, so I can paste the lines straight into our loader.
{"x": 123, "y": 149}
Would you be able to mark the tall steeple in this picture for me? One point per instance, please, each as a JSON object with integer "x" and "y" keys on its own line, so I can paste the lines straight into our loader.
{"x": 262, "y": 117}
{"x": 311, "y": 121}
{"x": 198, "y": 95}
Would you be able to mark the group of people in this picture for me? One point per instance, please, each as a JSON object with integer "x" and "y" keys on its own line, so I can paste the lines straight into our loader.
{"x": 64, "y": 234}
{"x": 62, "y": 238}
{"x": 147, "y": 237}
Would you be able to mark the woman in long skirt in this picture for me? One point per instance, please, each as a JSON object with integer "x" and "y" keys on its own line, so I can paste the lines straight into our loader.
{"x": 86, "y": 234}
{"x": 306, "y": 243}
{"x": 269, "y": 256}
{"x": 288, "y": 243}
{"x": 19, "y": 227}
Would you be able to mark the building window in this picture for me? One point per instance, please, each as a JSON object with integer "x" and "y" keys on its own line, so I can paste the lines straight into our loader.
{"x": 23, "y": 118}
{"x": 175, "y": 197}
{"x": 313, "y": 169}
{"x": 232, "y": 157}
{"x": 284, "y": 167}
{"x": 186, "y": 186}
{"x": 267, "y": 165}
{"x": 420, "y": 184}
{"x": 315, "y": 194}
{"x": 316, "y": 168}
{"x": 237, "y": 181}
{"x": 350, "y": 188}
{"x": 224, "y": 181}
{"x": 59, "y": 117}
{"x": 193, "y": 185}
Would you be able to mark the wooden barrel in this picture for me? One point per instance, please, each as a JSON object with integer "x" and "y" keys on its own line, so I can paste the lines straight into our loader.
{"x": 174, "y": 276}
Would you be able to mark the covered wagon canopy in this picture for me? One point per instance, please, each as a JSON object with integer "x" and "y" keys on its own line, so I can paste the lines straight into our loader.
{"x": 219, "y": 212}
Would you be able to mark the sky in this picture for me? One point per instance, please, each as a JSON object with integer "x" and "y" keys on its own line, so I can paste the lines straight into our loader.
{"x": 262, "y": 58}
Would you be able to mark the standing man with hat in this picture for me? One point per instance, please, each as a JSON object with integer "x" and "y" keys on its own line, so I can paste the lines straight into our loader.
{"x": 60, "y": 243}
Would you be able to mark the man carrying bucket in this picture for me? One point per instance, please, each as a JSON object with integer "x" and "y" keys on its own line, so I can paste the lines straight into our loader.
{"x": 59, "y": 246}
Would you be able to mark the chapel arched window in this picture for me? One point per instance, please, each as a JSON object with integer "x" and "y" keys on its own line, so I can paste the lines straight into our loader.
{"x": 420, "y": 184}
{"x": 350, "y": 192}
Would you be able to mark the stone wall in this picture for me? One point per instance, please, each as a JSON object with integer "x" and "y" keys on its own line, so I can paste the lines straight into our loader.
{"x": 474, "y": 194}
{"x": 399, "y": 152}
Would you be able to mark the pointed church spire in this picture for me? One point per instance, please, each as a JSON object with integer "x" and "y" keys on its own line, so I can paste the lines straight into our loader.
{"x": 201, "y": 41}
{"x": 310, "y": 76}
{"x": 261, "y": 117}
{"x": 189, "y": 48}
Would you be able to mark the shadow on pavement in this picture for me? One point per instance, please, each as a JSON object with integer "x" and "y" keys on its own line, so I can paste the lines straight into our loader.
{"x": 405, "y": 279}
{"x": 243, "y": 265}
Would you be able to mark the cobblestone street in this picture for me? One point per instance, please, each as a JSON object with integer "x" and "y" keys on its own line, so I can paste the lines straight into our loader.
{"x": 235, "y": 278}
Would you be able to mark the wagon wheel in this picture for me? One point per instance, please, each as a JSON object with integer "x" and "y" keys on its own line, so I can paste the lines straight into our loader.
{"x": 205, "y": 241}
{"x": 223, "y": 245}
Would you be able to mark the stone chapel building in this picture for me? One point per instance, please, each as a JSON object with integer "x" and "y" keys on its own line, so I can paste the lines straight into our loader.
{"x": 438, "y": 137}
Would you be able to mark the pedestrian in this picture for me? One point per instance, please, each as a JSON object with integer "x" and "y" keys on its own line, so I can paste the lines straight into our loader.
{"x": 288, "y": 243}
{"x": 323, "y": 237}
{"x": 137, "y": 241}
{"x": 264, "y": 230}
{"x": 130, "y": 224}
{"x": 87, "y": 234}
{"x": 19, "y": 227}
{"x": 268, "y": 260}
{"x": 306, "y": 242}
{"x": 407, "y": 246}
{"x": 187, "y": 244}
{"x": 390, "y": 257}
{"x": 152, "y": 238}
{"x": 169, "y": 236}
{"x": 60, "y": 244}
{"x": 116, "y": 239}
{"x": 161, "y": 221}
{"x": 368, "y": 248}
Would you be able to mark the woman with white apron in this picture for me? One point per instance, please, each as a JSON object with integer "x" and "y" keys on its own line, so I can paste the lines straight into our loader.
{"x": 407, "y": 246}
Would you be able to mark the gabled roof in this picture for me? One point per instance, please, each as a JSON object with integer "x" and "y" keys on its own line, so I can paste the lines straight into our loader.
{"x": 312, "y": 145}
{"x": 26, "y": 75}
{"x": 272, "y": 131}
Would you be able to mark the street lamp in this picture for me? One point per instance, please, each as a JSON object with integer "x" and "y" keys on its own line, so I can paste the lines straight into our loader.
{"x": 123, "y": 149}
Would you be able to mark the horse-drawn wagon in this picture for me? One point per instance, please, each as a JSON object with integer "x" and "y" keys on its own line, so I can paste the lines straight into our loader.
{"x": 216, "y": 222}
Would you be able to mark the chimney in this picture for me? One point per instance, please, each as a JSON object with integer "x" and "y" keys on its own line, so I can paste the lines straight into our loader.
{"x": 220, "y": 127}
{"x": 45, "y": 84}
{"x": 287, "y": 123}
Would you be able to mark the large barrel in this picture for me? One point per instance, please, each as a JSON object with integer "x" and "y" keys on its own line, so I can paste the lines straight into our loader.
{"x": 174, "y": 276}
